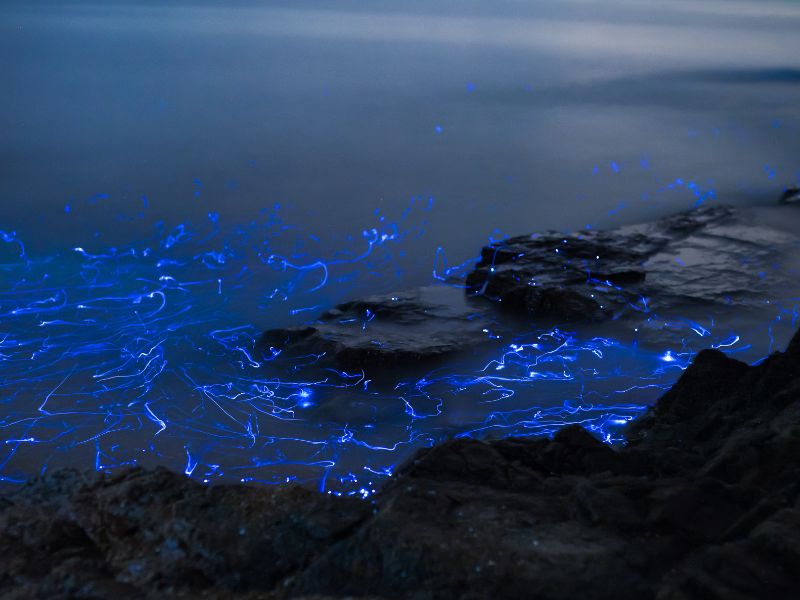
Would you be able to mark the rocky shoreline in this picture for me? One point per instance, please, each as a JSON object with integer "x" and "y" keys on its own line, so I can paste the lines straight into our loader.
{"x": 704, "y": 502}
{"x": 714, "y": 257}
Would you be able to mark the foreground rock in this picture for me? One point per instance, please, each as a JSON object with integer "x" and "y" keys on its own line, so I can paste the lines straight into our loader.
{"x": 703, "y": 503}
{"x": 711, "y": 257}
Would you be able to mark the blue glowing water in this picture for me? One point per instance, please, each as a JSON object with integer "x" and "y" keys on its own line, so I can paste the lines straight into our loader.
{"x": 139, "y": 355}
{"x": 176, "y": 179}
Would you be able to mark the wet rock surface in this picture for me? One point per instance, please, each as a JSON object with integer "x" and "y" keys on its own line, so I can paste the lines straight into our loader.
{"x": 701, "y": 257}
{"x": 704, "y": 502}
{"x": 406, "y": 327}
{"x": 713, "y": 257}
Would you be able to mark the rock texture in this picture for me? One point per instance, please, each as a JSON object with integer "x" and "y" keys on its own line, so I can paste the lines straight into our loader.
{"x": 710, "y": 257}
{"x": 407, "y": 327}
{"x": 703, "y": 503}
{"x": 705, "y": 256}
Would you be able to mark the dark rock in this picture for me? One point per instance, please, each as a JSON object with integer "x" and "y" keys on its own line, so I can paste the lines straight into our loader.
{"x": 115, "y": 536}
{"x": 702, "y": 509}
{"x": 525, "y": 462}
{"x": 702, "y": 257}
{"x": 559, "y": 518}
{"x": 691, "y": 258}
{"x": 607, "y": 503}
{"x": 762, "y": 564}
{"x": 415, "y": 326}
{"x": 790, "y": 196}
{"x": 704, "y": 502}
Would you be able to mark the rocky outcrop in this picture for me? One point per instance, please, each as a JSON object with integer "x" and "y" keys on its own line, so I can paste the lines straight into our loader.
{"x": 72, "y": 535}
{"x": 697, "y": 257}
{"x": 711, "y": 257}
{"x": 403, "y": 328}
{"x": 704, "y": 502}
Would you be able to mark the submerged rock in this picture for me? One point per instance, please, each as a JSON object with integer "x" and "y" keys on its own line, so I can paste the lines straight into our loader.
{"x": 407, "y": 327}
{"x": 708, "y": 256}
{"x": 704, "y": 502}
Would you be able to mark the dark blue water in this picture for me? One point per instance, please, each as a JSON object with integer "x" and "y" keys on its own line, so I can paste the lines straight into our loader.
{"x": 177, "y": 177}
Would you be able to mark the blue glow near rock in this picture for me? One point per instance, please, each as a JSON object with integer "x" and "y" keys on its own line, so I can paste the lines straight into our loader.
{"x": 135, "y": 355}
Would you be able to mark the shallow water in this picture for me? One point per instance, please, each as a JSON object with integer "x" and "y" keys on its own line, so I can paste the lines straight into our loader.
{"x": 175, "y": 178}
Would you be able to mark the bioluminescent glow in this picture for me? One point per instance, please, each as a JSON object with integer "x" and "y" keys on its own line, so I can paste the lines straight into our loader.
{"x": 137, "y": 355}
{"x": 179, "y": 178}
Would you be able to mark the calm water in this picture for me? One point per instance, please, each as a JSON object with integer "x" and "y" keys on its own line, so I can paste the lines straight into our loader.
{"x": 175, "y": 177}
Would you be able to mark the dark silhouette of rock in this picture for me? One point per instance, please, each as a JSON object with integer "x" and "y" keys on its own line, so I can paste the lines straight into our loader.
{"x": 704, "y": 502}
{"x": 135, "y": 530}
